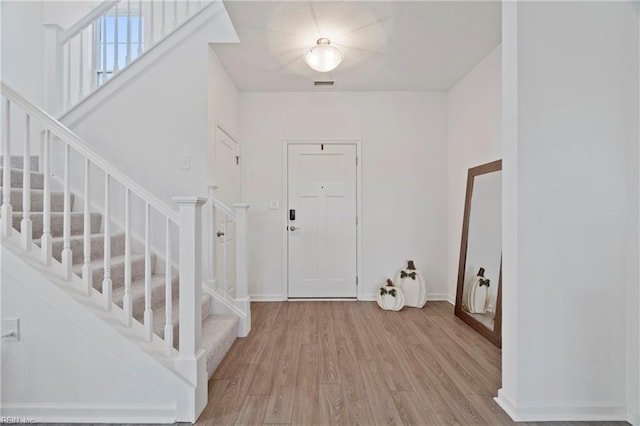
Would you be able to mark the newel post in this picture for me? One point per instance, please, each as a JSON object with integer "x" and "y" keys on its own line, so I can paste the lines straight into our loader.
{"x": 53, "y": 62}
{"x": 242, "y": 280}
{"x": 191, "y": 362}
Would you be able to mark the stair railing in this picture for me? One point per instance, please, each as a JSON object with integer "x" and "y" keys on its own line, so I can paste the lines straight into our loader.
{"x": 161, "y": 225}
{"x": 108, "y": 39}
{"x": 227, "y": 263}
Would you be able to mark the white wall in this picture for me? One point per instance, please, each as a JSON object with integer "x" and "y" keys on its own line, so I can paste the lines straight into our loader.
{"x": 66, "y": 13}
{"x": 573, "y": 215}
{"x": 404, "y": 167}
{"x": 65, "y": 368}
{"x": 22, "y": 48}
{"x": 473, "y": 122}
{"x": 147, "y": 129}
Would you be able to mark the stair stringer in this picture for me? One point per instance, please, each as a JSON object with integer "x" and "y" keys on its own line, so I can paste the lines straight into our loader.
{"x": 123, "y": 348}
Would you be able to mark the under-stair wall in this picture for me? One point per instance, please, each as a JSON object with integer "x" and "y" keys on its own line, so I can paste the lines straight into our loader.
{"x": 70, "y": 366}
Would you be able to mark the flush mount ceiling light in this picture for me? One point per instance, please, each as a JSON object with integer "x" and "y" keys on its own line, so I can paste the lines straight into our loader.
{"x": 323, "y": 57}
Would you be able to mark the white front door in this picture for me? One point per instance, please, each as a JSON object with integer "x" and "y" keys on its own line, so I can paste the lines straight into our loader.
{"x": 322, "y": 220}
{"x": 228, "y": 181}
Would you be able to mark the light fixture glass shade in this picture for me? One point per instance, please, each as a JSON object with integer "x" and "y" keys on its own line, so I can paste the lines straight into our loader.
{"x": 323, "y": 57}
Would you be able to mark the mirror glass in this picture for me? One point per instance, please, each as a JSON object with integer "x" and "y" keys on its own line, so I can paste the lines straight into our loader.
{"x": 484, "y": 249}
{"x": 479, "y": 273}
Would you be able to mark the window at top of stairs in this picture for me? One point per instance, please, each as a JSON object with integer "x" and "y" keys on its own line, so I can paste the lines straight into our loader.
{"x": 108, "y": 58}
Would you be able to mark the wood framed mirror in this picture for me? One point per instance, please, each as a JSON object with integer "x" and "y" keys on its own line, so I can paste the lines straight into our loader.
{"x": 479, "y": 292}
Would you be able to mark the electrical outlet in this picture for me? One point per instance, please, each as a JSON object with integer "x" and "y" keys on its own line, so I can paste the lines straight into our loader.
{"x": 11, "y": 329}
{"x": 186, "y": 162}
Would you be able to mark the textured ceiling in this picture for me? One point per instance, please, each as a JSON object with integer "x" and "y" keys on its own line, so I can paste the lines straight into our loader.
{"x": 387, "y": 45}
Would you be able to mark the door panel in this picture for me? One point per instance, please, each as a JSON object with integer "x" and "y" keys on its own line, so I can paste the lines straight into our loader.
{"x": 322, "y": 238}
{"x": 228, "y": 181}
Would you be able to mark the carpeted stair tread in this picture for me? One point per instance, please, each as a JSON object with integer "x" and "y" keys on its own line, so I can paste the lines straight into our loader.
{"x": 37, "y": 179}
{"x": 218, "y": 334}
{"x": 159, "y": 317}
{"x": 37, "y": 200}
{"x": 137, "y": 294}
{"x": 77, "y": 247}
{"x": 57, "y": 221}
{"x": 117, "y": 270}
{"x": 17, "y": 161}
{"x": 218, "y": 331}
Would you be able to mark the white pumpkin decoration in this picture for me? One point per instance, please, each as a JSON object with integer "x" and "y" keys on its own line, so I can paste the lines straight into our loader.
{"x": 390, "y": 297}
{"x": 478, "y": 294}
{"x": 412, "y": 285}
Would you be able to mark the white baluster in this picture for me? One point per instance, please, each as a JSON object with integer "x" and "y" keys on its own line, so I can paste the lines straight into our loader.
{"x": 87, "y": 274}
{"x": 148, "y": 313}
{"x": 107, "y": 285}
{"x": 168, "y": 326}
{"x": 242, "y": 281}
{"x": 81, "y": 69}
{"x": 139, "y": 28}
{"x": 151, "y": 21}
{"x": 191, "y": 360}
{"x": 225, "y": 257}
{"x": 126, "y": 301}
{"x": 128, "y": 32}
{"x": 116, "y": 65}
{"x": 104, "y": 50}
{"x": 26, "y": 227}
{"x": 6, "y": 209}
{"x": 163, "y": 28}
{"x": 95, "y": 55}
{"x": 66, "y": 231}
{"x": 212, "y": 240}
{"x": 68, "y": 97}
{"x": 45, "y": 241}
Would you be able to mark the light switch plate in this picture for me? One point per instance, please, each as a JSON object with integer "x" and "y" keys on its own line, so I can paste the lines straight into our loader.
{"x": 274, "y": 205}
{"x": 11, "y": 325}
{"x": 186, "y": 162}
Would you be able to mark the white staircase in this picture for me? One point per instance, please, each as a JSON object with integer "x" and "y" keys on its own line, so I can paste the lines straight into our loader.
{"x": 95, "y": 50}
{"x": 132, "y": 262}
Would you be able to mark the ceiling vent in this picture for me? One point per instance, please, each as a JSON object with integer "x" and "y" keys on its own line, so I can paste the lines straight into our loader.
{"x": 323, "y": 83}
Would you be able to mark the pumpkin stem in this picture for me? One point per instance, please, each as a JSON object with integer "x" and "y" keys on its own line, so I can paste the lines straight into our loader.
{"x": 411, "y": 266}
{"x": 481, "y": 272}
{"x": 390, "y": 283}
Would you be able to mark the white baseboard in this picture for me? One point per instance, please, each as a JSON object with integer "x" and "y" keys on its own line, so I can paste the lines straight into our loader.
{"x": 91, "y": 413}
{"x": 438, "y": 297}
{"x": 365, "y": 297}
{"x": 267, "y": 298}
{"x": 593, "y": 412}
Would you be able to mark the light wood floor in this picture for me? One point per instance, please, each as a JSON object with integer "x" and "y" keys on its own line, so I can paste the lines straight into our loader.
{"x": 350, "y": 363}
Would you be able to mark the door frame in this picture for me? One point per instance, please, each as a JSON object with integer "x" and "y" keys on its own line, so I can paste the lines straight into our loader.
{"x": 285, "y": 196}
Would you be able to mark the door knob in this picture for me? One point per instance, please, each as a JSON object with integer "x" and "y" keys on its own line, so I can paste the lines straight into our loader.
{"x": 293, "y": 228}
{"x": 219, "y": 234}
